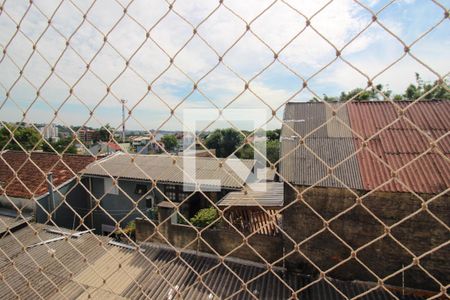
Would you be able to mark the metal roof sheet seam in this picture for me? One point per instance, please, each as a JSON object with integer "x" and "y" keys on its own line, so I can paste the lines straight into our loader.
{"x": 393, "y": 142}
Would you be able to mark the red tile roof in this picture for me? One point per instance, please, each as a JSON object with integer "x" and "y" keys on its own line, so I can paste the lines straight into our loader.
{"x": 114, "y": 146}
{"x": 401, "y": 143}
{"x": 32, "y": 169}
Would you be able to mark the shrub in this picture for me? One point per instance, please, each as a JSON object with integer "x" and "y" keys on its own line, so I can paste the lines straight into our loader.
{"x": 204, "y": 217}
{"x": 130, "y": 229}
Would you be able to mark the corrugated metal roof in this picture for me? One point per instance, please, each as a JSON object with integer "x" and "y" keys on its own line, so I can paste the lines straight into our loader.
{"x": 332, "y": 143}
{"x": 9, "y": 222}
{"x": 400, "y": 143}
{"x": 396, "y": 145}
{"x": 163, "y": 169}
{"x": 107, "y": 271}
{"x": 264, "y": 194}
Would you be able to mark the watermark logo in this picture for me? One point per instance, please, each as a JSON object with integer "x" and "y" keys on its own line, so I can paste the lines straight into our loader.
{"x": 213, "y": 173}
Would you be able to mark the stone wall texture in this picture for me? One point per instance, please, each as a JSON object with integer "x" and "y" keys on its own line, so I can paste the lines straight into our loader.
{"x": 383, "y": 251}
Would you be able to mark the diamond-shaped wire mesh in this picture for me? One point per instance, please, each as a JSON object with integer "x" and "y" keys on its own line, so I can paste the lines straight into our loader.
{"x": 354, "y": 201}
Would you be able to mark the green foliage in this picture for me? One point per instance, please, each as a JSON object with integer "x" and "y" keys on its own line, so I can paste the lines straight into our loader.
{"x": 130, "y": 229}
{"x": 246, "y": 152}
{"x": 273, "y": 135}
{"x": 170, "y": 142}
{"x": 28, "y": 137}
{"x": 103, "y": 133}
{"x": 63, "y": 145}
{"x": 231, "y": 140}
{"x": 204, "y": 217}
{"x": 273, "y": 150}
{"x": 359, "y": 94}
{"x": 225, "y": 141}
{"x": 426, "y": 89}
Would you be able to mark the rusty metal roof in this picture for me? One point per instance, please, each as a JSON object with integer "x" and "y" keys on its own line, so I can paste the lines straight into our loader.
{"x": 266, "y": 194}
{"x": 167, "y": 169}
{"x": 392, "y": 139}
{"x": 401, "y": 142}
{"x": 89, "y": 266}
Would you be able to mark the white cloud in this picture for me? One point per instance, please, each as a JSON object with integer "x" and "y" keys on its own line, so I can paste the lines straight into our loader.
{"x": 338, "y": 22}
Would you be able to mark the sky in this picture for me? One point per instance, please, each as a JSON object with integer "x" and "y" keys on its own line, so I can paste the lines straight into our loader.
{"x": 129, "y": 56}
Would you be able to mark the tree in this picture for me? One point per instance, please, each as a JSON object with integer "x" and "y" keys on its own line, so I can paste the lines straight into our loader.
{"x": 225, "y": 141}
{"x": 214, "y": 141}
{"x": 63, "y": 145}
{"x": 170, "y": 142}
{"x": 246, "y": 152}
{"x": 426, "y": 90}
{"x": 231, "y": 140}
{"x": 104, "y": 133}
{"x": 28, "y": 137}
{"x": 273, "y": 135}
{"x": 273, "y": 150}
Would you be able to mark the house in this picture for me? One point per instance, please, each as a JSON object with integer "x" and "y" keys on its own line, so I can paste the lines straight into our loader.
{"x": 376, "y": 175}
{"x": 81, "y": 265}
{"x": 122, "y": 187}
{"x": 106, "y": 148}
{"x": 49, "y": 131}
{"x": 147, "y": 145}
{"x": 36, "y": 183}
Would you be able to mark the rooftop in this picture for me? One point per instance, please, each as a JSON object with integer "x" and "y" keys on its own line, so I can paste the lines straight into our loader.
{"x": 32, "y": 168}
{"x": 393, "y": 142}
{"x": 86, "y": 265}
{"x": 168, "y": 169}
{"x": 265, "y": 194}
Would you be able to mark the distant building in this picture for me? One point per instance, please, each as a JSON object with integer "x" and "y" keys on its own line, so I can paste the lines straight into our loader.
{"x": 87, "y": 136}
{"x": 107, "y": 148}
{"x": 49, "y": 131}
{"x": 147, "y": 144}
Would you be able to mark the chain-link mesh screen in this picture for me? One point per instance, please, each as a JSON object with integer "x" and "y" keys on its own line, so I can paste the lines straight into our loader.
{"x": 116, "y": 182}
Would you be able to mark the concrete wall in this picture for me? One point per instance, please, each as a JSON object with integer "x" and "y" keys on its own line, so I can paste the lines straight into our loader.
{"x": 221, "y": 239}
{"x": 63, "y": 216}
{"x": 357, "y": 228}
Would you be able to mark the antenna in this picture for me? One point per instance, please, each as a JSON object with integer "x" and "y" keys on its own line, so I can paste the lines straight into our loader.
{"x": 123, "y": 119}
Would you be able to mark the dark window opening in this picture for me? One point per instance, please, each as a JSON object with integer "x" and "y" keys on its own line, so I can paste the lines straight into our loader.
{"x": 141, "y": 189}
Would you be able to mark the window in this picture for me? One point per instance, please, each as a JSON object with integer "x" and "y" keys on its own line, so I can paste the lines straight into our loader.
{"x": 171, "y": 192}
{"x": 140, "y": 189}
{"x": 149, "y": 201}
{"x": 110, "y": 188}
{"x": 175, "y": 193}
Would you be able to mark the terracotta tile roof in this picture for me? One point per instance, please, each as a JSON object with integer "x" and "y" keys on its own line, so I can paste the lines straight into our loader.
{"x": 394, "y": 143}
{"x": 32, "y": 169}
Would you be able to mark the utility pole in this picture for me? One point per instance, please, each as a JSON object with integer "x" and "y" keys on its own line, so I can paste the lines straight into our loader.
{"x": 123, "y": 119}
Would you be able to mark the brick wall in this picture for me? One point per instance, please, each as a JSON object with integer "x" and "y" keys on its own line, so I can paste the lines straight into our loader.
{"x": 357, "y": 228}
